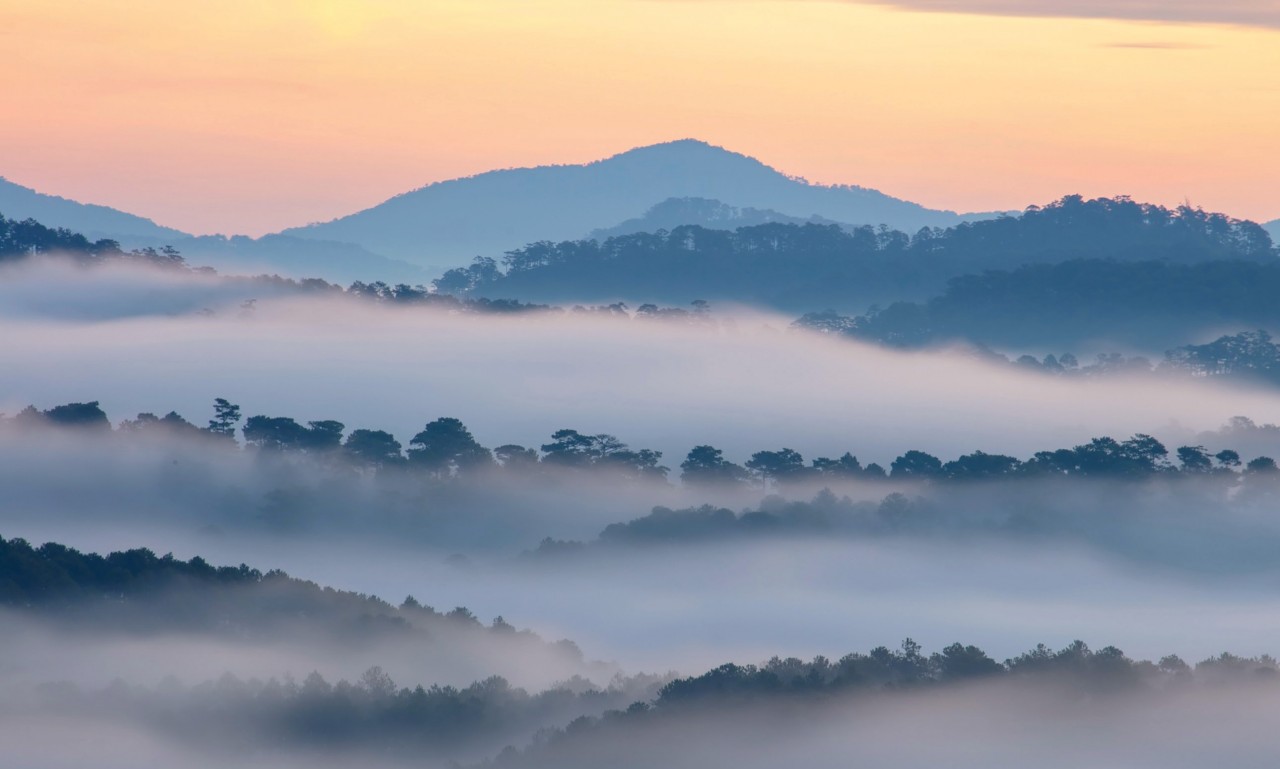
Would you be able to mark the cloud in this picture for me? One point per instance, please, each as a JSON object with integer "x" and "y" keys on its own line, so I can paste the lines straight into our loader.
{"x": 1257, "y": 13}
{"x": 1157, "y": 46}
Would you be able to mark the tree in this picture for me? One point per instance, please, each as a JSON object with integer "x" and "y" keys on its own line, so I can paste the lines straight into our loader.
{"x": 1227, "y": 459}
{"x": 1137, "y": 456}
{"x": 446, "y": 447}
{"x": 636, "y": 464}
{"x": 1261, "y": 466}
{"x": 706, "y": 466}
{"x": 325, "y": 435}
{"x": 79, "y": 415}
{"x": 1194, "y": 459}
{"x": 915, "y": 465}
{"x": 778, "y": 466}
{"x": 958, "y": 662}
{"x": 980, "y": 466}
{"x": 226, "y": 415}
{"x": 515, "y": 457}
{"x": 570, "y": 448}
{"x": 274, "y": 433}
{"x": 847, "y": 466}
{"x": 374, "y": 448}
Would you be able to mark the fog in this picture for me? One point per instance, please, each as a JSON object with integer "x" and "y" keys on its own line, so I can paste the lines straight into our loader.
{"x": 990, "y": 726}
{"x": 1204, "y": 575}
{"x": 1003, "y": 565}
{"x": 693, "y": 609}
{"x": 95, "y": 653}
{"x": 743, "y": 384}
{"x": 63, "y": 290}
{"x": 1043, "y": 723}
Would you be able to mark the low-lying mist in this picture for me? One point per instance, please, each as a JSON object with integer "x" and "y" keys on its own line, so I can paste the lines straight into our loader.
{"x": 1069, "y": 709}
{"x": 782, "y": 568}
{"x": 1007, "y": 563}
{"x": 741, "y": 383}
{"x": 985, "y": 726}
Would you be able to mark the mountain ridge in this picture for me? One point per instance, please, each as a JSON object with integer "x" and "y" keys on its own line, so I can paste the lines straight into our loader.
{"x": 447, "y": 223}
{"x": 89, "y": 219}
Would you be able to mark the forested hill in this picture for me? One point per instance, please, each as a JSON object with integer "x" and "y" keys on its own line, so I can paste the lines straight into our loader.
{"x": 1081, "y": 304}
{"x": 19, "y": 239}
{"x": 25, "y": 238}
{"x": 814, "y": 266}
{"x": 138, "y": 591}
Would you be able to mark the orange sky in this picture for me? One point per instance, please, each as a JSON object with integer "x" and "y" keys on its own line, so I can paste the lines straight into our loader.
{"x": 243, "y": 116}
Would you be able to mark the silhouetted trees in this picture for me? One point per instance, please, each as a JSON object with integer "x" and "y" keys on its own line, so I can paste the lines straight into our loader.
{"x": 778, "y": 685}
{"x": 88, "y": 415}
{"x": 570, "y": 448}
{"x": 1150, "y": 304}
{"x": 373, "y": 448}
{"x": 815, "y": 265}
{"x": 283, "y": 433}
{"x": 226, "y": 415}
{"x": 445, "y": 449}
{"x": 706, "y": 465}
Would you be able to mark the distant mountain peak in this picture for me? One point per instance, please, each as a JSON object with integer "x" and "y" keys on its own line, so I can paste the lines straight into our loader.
{"x": 675, "y": 146}
{"x": 449, "y": 222}
{"x": 687, "y": 151}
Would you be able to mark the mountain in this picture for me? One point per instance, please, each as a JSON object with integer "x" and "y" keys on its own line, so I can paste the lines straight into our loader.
{"x": 292, "y": 257}
{"x": 92, "y": 221}
{"x": 701, "y": 212}
{"x": 448, "y": 223}
{"x": 1274, "y": 229}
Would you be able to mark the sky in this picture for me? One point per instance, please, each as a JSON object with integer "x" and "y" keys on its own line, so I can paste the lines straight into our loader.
{"x": 237, "y": 116}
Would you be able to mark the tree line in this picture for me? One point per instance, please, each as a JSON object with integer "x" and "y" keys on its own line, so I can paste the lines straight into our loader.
{"x": 445, "y": 448}
{"x": 784, "y": 691}
{"x": 20, "y": 239}
{"x": 139, "y": 591}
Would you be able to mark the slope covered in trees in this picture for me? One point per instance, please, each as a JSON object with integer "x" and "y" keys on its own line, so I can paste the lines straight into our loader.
{"x": 20, "y": 239}
{"x": 1092, "y": 302}
{"x": 232, "y": 716}
{"x": 815, "y": 266}
{"x": 137, "y": 591}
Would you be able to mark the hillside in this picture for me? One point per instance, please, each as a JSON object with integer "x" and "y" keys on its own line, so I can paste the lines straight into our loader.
{"x": 700, "y": 212}
{"x": 815, "y": 267}
{"x": 93, "y": 221}
{"x": 448, "y": 223}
